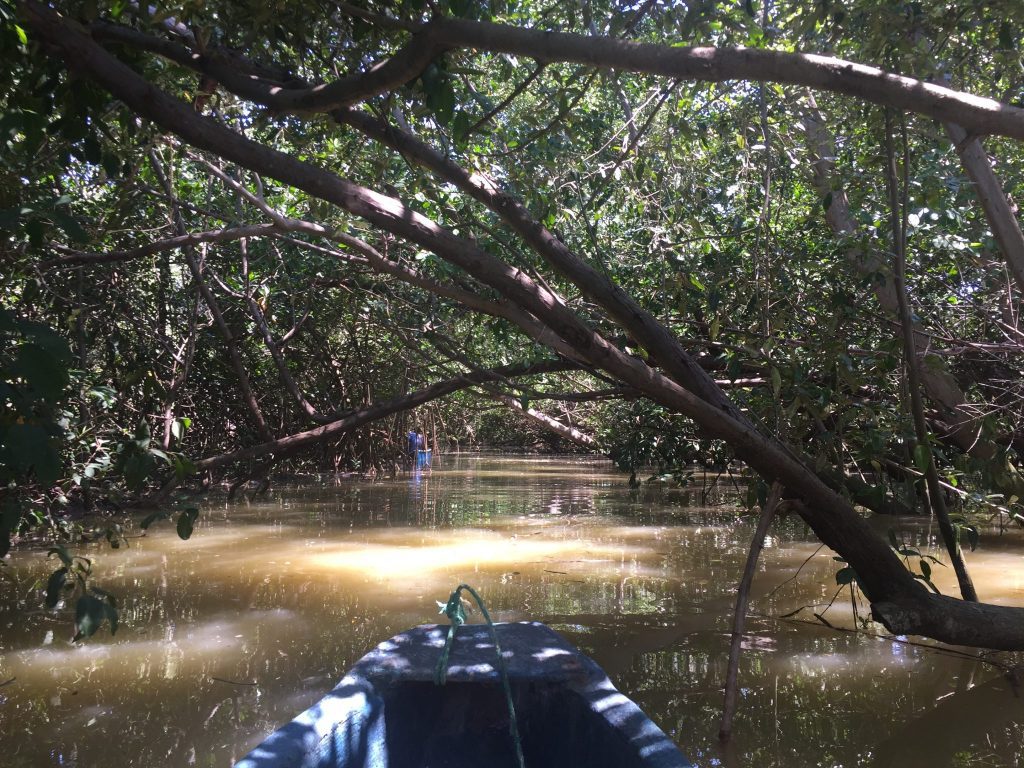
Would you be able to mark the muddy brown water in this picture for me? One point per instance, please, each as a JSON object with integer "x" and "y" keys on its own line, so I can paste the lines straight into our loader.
{"x": 232, "y": 633}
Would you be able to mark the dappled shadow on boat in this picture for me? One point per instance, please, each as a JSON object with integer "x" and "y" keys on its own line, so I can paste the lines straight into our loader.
{"x": 389, "y": 711}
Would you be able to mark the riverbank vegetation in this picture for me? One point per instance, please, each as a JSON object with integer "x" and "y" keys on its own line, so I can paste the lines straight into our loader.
{"x": 243, "y": 238}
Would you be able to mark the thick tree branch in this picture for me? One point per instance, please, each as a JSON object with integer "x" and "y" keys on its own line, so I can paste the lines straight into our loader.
{"x": 1001, "y": 217}
{"x": 547, "y": 422}
{"x": 979, "y": 115}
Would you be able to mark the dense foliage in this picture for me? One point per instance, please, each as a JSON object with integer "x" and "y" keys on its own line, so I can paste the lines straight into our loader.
{"x": 173, "y": 312}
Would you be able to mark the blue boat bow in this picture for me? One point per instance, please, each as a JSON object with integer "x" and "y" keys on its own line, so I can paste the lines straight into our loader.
{"x": 388, "y": 712}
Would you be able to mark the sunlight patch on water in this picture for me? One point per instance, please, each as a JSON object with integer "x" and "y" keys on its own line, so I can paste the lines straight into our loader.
{"x": 381, "y": 561}
{"x": 216, "y": 639}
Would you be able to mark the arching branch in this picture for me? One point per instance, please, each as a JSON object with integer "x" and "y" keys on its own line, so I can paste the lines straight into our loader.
{"x": 977, "y": 114}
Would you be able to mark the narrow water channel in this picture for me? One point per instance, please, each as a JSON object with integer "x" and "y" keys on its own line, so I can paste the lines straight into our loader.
{"x": 232, "y": 633}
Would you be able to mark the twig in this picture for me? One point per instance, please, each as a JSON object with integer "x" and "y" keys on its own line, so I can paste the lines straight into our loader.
{"x": 805, "y": 562}
{"x": 507, "y": 100}
{"x": 231, "y": 682}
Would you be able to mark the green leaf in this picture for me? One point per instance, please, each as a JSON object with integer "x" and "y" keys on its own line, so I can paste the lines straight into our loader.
{"x": 137, "y": 469}
{"x": 71, "y": 227}
{"x": 114, "y": 536}
{"x": 186, "y": 522}
{"x": 9, "y": 218}
{"x": 845, "y": 576}
{"x": 29, "y": 448}
{"x": 142, "y": 434}
{"x": 922, "y": 457}
{"x": 439, "y": 93}
{"x": 1006, "y": 38}
{"x": 971, "y": 532}
{"x": 776, "y": 382}
{"x": 112, "y": 165}
{"x": 926, "y": 570}
{"x": 183, "y": 466}
{"x": 62, "y": 553}
{"x": 54, "y": 585}
{"x": 102, "y": 593}
{"x": 22, "y": 37}
{"x": 36, "y": 231}
{"x": 43, "y": 371}
{"x": 109, "y": 607}
{"x": 153, "y": 517}
{"x": 89, "y": 615}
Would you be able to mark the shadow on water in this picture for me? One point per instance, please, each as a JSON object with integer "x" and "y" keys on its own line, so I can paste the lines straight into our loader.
{"x": 937, "y": 736}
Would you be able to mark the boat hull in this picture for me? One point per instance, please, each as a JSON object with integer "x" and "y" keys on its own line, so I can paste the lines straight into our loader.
{"x": 388, "y": 712}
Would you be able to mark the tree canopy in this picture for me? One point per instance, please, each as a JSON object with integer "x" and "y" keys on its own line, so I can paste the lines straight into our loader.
{"x": 238, "y": 234}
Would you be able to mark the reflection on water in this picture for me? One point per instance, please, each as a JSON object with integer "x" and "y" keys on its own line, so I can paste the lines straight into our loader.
{"x": 231, "y": 633}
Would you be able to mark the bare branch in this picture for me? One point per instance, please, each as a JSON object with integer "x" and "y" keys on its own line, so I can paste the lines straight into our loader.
{"x": 73, "y": 258}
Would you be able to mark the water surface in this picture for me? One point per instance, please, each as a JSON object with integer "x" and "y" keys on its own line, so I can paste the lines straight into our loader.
{"x": 233, "y": 632}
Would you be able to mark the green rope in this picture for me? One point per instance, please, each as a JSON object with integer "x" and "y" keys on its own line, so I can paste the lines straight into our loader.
{"x": 457, "y": 616}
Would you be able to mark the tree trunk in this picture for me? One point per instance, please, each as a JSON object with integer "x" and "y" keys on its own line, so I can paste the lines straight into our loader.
{"x": 704, "y": 64}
